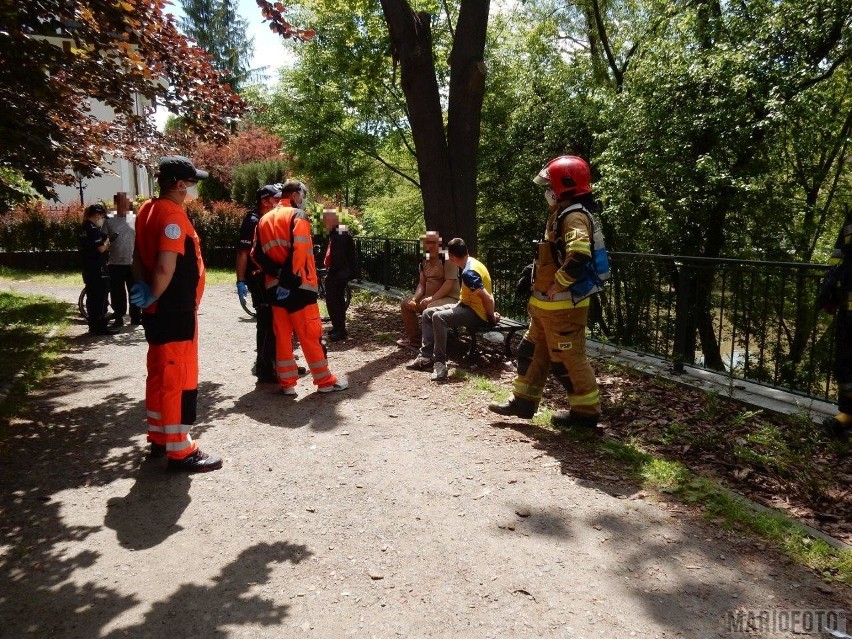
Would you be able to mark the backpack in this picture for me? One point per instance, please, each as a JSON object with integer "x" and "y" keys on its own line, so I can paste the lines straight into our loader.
{"x": 597, "y": 269}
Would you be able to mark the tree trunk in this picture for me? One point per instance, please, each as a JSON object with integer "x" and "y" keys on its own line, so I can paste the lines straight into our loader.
{"x": 467, "y": 89}
{"x": 446, "y": 160}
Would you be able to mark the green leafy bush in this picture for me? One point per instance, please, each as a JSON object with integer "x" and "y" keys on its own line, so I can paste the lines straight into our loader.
{"x": 217, "y": 224}
{"x": 248, "y": 178}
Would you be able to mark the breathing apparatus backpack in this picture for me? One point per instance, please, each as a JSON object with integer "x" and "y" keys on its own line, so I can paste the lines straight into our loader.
{"x": 597, "y": 269}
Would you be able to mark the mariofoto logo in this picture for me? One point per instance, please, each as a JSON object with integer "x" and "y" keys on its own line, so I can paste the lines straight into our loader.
{"x": 804, "y": 621}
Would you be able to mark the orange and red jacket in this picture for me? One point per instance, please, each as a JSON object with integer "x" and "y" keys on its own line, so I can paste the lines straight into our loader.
{"x": 284, "y": 250}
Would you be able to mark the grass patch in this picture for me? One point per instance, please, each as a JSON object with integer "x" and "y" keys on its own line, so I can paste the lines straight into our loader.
{"x": 719, "y": 503}
{"x": 73, "y": 278}
{"x": 363, "y": 297}
{"x": 478, "y": 384}
{"x": 25, "y": 321}
{"x": 542, "y": 417}
{"x": 222, "y": 276}
{"x": 61, "y": 278}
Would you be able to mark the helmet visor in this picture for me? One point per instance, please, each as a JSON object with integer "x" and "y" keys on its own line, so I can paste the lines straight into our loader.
{"x": 543, "y": 177}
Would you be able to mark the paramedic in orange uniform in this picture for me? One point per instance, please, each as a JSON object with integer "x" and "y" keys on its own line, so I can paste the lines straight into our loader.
{"x": 169, "y": 274}
{"x": 284, "y": 250}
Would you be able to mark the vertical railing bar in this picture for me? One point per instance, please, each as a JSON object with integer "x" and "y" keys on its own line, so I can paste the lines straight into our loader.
{"x": 761, "y": 358}
{"x": 722, "y": 307}
{"x": 733, "y": 334}
{"x": 778, "y": 349}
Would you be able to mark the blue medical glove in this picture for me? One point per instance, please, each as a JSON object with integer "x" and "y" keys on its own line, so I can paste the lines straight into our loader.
{"x": 141, "y": 295}
{"x": 281, "y": 293}
{"x": 242, "y": 292}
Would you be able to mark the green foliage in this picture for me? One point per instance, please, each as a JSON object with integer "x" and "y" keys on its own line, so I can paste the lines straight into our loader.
{"x": 706, "y": 149}
{"x": 217, "y": 224}
{"x": 212, "y": 189}
{"x": 249, "y": 145}
{"x": 538, "y": 106}
{"x": 248, "y": 178}
{"x": 16, "y": 189}
{"x": 217, "y": 27}
{"x": 337, "y": 128}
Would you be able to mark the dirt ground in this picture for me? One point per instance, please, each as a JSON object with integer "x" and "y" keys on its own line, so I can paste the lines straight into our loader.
{"x": 394, "y": 509}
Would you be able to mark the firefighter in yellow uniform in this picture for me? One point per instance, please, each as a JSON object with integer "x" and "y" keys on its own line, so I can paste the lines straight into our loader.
{"x": 564, "y": 279}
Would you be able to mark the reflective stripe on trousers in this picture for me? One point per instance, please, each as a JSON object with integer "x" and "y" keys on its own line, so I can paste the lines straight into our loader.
{"x": 307, "y": 325}
{"x": 559, "y": 336}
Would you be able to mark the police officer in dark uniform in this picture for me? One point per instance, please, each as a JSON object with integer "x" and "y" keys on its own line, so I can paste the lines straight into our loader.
{"x": 250, "y": 282}
{"x": 835, "y": 298}
{"x": 94, "y": 249}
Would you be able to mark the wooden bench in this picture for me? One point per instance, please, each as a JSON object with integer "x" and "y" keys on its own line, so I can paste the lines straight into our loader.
{"x": 507, "y": 326}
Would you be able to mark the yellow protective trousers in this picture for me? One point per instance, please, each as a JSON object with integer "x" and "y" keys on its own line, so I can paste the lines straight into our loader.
{"x": 556, "y": 341}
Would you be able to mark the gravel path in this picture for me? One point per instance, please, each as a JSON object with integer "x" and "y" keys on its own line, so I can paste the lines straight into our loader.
{"x": 388, "y": 510}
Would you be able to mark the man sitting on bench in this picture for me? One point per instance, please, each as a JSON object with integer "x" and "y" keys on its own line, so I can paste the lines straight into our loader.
{"x": 437, "y": 285}
{"x": 474, "y": 308}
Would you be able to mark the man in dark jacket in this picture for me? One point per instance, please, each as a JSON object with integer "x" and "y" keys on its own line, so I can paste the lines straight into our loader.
{"x": 340, "y": 262}
{"x": 94, "y": 249}
{"x": 250, "y": 282}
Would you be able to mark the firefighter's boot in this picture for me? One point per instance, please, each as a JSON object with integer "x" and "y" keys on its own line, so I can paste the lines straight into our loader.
{"x": 565, "y": 419}
{"x": 839, "y": 426}
{"x": 515, "y": 407}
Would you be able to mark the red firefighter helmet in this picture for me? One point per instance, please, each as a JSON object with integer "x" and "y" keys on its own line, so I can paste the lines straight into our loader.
{"x": 568, "y": 175}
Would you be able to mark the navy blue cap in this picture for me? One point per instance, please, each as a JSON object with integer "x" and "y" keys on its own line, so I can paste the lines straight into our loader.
{"x": 180, "y": 168}
{"x": 269, "y": 190}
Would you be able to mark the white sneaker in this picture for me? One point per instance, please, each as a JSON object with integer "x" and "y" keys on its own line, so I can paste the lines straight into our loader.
{"x": 339, "y": 385}
{"x": 289, "y": 390}
{"x": 439, "y": 372}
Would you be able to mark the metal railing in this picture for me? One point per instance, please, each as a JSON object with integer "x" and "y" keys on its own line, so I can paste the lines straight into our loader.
{"x": 755, "y": 321}
{"x": 751, "y": 320}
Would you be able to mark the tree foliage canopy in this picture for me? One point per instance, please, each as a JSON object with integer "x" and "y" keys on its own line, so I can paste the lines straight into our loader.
{"x": 218, "y": 28}
{"x": 712, "y": 128}
{"x": 57, "y": 56}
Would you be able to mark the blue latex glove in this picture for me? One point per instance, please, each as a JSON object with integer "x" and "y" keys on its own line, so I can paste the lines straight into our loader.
{"x": 281, "y": 293}
{"x": 141, "y": 296}
{"x": 242, "y": 292}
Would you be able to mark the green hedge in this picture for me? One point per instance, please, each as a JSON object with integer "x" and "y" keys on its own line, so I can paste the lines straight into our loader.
{"x": 40, "y": 229}
{"x": 36, "y": 227}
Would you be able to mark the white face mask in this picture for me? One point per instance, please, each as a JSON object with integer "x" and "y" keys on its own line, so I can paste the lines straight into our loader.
{"x": 550, "y": 196}
{"x": 190, "y": 191}
{"x": 98, "y": 222}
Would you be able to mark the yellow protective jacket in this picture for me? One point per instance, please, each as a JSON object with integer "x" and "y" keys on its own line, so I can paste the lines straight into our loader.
{"x": 562, "y": 257}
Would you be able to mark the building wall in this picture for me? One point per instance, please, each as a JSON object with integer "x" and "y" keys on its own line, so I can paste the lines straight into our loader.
{"x": 119, "y": 175}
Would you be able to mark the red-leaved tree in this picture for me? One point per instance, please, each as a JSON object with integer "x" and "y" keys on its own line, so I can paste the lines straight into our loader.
{"x": 57, "y": 55}
{"x": 251, "y": 144}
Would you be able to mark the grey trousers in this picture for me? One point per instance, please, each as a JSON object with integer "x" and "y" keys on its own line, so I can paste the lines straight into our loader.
{"x": 437, "y": 320}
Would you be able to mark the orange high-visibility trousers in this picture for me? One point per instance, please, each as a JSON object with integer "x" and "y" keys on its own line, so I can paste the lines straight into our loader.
{"x": 171, "y": 394}
{"x": 307, "y": 325}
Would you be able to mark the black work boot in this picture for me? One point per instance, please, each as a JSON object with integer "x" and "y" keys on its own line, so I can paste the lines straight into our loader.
{"x": 156, "y": 451}
{"x": 197, "y": 462}
{"x": 515, "y": 407}
{"x": 837, "y": 429}
{"x": 565, "y": 419}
